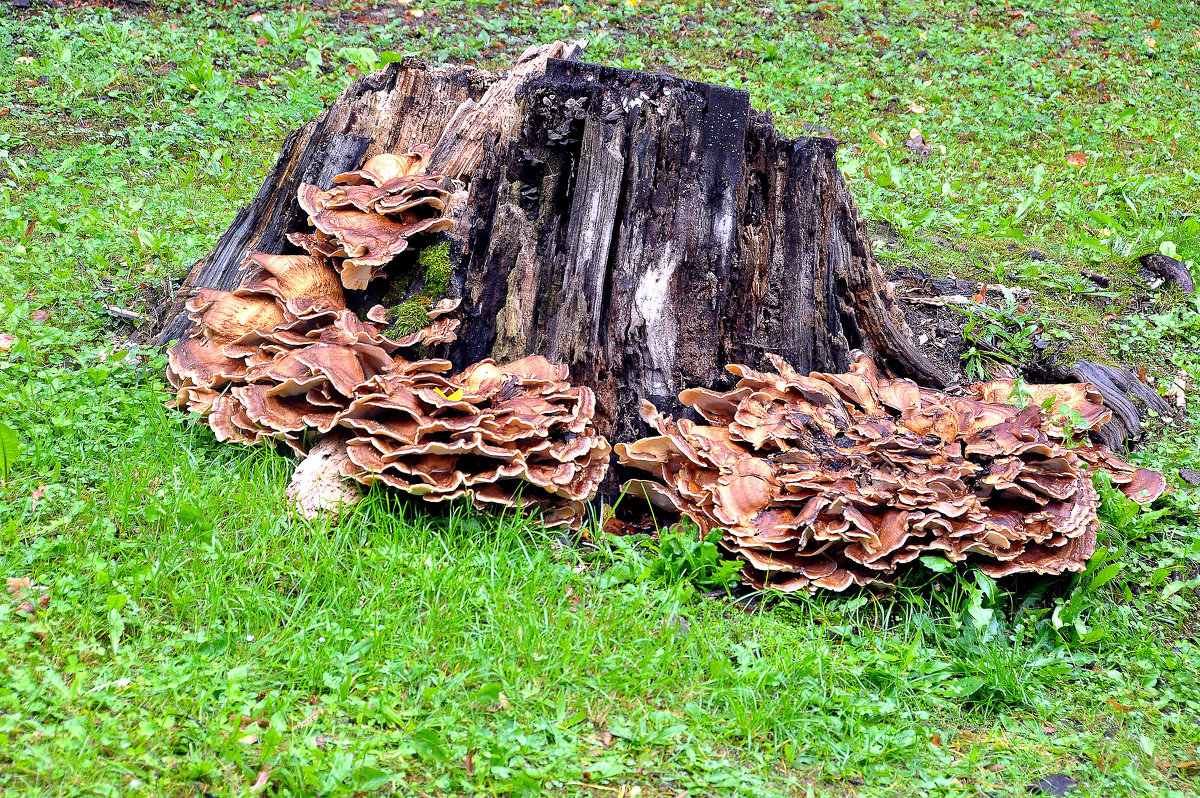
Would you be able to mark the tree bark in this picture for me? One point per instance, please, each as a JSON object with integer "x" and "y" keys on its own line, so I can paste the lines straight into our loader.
{"x": 644, "y": 229}
{"x": 459, "y": 110}
{"x": 648, "y": 231}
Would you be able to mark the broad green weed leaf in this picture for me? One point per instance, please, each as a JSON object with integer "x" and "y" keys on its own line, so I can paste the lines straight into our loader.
{"x": 10, "y": 449}
{"x": 1106, "y": 575}
{"x": 937, "y": 563}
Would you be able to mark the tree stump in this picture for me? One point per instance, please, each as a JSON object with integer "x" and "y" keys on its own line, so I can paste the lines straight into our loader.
{"x": 643, "y": 229}
{"x": 648, "y": 230}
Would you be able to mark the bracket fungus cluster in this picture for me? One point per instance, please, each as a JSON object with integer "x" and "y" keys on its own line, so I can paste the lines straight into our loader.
{"x": 505, "y": 435}
{"x": 282, "y": 358}
{"x": 821, "y": 481}
{"x": 366, "y": 219}
{"x": 826, "y": 481}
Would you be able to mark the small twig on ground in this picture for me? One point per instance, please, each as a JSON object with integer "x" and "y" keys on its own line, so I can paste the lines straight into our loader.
{"x": 125, "y": 315}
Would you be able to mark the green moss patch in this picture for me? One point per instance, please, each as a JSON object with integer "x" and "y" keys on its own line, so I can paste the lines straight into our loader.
{"x": 409, "y": 315}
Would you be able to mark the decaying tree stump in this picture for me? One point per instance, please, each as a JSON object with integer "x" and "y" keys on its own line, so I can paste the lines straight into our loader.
{"x": 643, "y": 229}
{"x": 610, "y": 238}
{"x": 647, "y": 231}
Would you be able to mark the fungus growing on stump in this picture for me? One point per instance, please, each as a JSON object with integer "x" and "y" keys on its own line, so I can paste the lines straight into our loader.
{"x": 505, "y": 436}
{"x": 281, "y": 358}
{"x": 362, "y": 225}
{"x": 645, "y": 232}
{"x": 826, "y": 481}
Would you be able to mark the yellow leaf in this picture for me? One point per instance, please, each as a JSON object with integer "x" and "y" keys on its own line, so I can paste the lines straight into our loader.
{"x": 879, "y": 139}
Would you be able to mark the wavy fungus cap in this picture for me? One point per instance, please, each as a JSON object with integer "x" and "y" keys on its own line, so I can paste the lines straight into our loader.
{"x": 827, "y": 481}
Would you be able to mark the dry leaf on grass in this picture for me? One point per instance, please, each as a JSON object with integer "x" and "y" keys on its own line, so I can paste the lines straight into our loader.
{"x": 17, "y": 586}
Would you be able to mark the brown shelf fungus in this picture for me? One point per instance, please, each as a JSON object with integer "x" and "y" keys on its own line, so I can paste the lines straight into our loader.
{"x": 366, "y": 220}
{"x": 502, "y": 435}
{"x": 824, "y": 481}
{"x": 281, "y": 358}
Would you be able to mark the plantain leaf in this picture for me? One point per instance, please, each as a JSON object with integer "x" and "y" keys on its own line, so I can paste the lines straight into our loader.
{"x": 10, "y": 449}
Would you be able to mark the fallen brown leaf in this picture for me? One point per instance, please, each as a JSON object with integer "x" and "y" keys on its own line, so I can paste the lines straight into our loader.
{"x": 312, "y": 716}
{"x": 1077, "y": 159}
{"x": 17, "y": 585}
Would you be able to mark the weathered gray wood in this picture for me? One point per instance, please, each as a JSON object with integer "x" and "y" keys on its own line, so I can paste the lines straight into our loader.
{"x": 1132, "y": 403}
{"x": 808, "y": 286}
{"x": 405, "y": 104}
{"x": 477, "y": 127}
{"x": 648, "y": 231}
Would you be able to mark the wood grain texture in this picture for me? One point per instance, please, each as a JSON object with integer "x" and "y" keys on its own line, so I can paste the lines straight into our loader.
{"x": 477, "y": 127}
{"x": 460, "y": 108}
{"x": 1132, "y": 402}
{"x": 648, "y": 231}
{"x": 644, "y": 229}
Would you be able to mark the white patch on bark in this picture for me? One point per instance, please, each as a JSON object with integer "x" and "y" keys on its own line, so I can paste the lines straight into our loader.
{"x": 652, "y": 303}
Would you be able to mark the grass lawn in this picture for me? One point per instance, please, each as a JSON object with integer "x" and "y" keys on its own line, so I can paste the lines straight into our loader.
{"x": 182, "y": 634}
